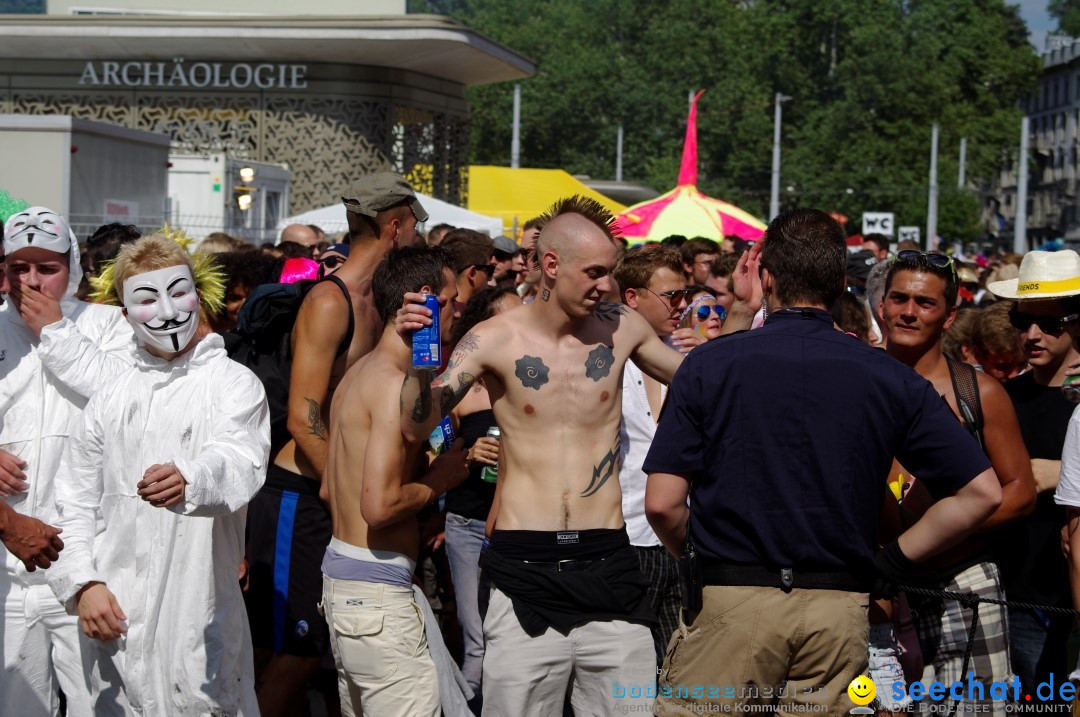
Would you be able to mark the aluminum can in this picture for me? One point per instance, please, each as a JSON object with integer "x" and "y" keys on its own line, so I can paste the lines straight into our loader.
{"x": 490, "y": 474}
{"x": 427, "y": 342}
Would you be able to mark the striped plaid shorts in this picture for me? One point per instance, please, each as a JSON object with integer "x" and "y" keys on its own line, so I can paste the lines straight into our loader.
{"x": 943, "y": 627}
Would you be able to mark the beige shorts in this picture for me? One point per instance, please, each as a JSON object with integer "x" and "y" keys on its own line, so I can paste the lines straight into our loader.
{"x": 380, "y": 650}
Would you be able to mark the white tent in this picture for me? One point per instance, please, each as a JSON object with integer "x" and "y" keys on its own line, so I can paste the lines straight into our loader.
{"x": 332, "y": 219}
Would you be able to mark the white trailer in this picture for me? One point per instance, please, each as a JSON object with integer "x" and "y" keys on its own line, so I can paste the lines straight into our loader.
{"x": 91, "y": 173}
{"x": 217, "y": 193}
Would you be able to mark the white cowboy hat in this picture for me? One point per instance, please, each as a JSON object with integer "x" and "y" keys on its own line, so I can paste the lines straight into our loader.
{"x": 1043, "y": 275}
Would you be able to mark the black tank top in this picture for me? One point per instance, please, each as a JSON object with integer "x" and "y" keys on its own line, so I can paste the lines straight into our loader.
{"x": 472, "y": 499}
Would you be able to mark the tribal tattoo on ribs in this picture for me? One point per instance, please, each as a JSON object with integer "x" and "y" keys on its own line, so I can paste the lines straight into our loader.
{"x": 603, "y": 470}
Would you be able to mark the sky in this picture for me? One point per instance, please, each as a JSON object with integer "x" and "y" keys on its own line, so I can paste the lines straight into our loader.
{"x": 1038, "y": 20}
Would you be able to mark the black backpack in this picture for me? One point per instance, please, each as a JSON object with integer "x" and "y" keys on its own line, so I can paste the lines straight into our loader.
{"x": 263, "y": 342}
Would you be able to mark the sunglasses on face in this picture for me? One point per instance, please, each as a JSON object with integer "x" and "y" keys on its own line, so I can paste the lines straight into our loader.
{"x": 1053, "y": 325}
{"x": 704, "y": 310}
{"x": 673, "y": 297}
{"x": 332, "y": 261}
{"x": 912, "y": 256}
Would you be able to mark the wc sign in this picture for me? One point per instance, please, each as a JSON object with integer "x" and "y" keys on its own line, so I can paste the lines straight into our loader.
{"x": 877, "y": 223}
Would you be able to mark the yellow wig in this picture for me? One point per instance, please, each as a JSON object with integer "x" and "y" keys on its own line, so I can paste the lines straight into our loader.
{"x": 209, "y": 278}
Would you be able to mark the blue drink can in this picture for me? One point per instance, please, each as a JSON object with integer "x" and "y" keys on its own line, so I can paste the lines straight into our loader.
{"x": 442, "y": 437}
{"x": 427, "y": 342}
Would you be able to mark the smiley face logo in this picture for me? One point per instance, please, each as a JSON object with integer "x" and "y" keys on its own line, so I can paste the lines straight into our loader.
{"x": 862, "y": 690}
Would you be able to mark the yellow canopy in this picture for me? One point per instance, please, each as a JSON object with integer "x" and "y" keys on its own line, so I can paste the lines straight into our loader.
{"x": 524, "y": 193}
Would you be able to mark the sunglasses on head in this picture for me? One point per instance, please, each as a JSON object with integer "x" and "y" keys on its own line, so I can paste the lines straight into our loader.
{"x": 702, "y": 312}
{"x": 933, "y": 258}
{"x": 1047, "y": 324}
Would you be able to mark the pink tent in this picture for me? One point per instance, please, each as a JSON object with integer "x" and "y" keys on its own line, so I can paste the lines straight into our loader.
{"x": 684, "y": 210}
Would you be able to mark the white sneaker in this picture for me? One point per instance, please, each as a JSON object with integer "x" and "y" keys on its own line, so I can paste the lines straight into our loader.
{"x": 885, "y": 669}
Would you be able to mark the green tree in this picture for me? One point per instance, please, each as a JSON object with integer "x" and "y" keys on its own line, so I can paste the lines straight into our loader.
{"x": 1067, "y": 13}
{"x": 867, "y": 78}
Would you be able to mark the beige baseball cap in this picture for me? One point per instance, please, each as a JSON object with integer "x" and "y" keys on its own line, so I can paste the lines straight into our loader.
{"x": 373, "y": 193}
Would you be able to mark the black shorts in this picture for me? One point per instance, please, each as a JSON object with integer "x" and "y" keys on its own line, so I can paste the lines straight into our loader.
{"x": 288, "y": 529}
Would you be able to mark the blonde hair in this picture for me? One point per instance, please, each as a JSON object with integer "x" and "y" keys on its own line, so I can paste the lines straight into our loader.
{"x": 159, "y": 250}
{"x": 149, "y": 253}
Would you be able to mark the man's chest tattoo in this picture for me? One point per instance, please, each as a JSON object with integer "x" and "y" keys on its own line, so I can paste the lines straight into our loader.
{"x": 598, "y": 364}
{"x": 531, "y": 371}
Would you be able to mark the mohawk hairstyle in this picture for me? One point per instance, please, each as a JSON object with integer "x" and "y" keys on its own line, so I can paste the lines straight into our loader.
{"x": 584, "y": 206}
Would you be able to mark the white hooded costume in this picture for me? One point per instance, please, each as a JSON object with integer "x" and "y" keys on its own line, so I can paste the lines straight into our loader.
{"x": 174, "y": 571}
{"x": 44, "y": 385}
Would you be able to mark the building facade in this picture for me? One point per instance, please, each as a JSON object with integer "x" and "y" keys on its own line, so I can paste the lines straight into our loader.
{"x": 330, "y": 96}
{"x": 1053, "y": 112}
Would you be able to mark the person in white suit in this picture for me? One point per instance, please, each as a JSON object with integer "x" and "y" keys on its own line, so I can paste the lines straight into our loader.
{"x": 167, "y": 457}
{"x": 54, "y": 352}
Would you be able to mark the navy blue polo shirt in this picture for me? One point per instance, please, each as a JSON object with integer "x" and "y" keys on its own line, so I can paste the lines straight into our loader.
{"x": 788, "y": 432}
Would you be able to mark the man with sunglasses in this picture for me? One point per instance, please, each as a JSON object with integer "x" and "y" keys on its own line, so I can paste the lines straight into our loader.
{"x": 473, "y": 260}
{"x": 651, "y": 281}
{"x": 333, "y": 259}
{"x": 1033, "y": 569}
{"x": 918, "y": 306}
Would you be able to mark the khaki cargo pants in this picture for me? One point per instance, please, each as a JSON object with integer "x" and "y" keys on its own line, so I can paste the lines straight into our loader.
{"x": 757, "y": 646}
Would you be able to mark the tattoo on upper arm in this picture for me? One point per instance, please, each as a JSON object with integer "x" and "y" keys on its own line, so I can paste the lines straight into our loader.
{"x": 469, "y": 342}
{"x": 450, "y": 397}
{"x": 603, "y": 470}
{"x": 316, "y": 427}
{"x": 598, "y": 364}
{"x": 422, "y": 406}
{"x": 609, "y": 310}
{"x": 531, "y": 371}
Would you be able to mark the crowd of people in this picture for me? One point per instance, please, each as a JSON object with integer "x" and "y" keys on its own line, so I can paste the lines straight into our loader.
{"x": 660, "y": 477}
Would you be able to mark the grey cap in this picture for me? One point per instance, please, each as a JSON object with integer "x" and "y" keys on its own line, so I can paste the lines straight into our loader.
{"x": 506, "y": 245}
{"x": 373, "y": 193}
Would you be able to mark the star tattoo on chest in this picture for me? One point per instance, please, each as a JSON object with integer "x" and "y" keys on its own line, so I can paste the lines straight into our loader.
{"x": 531, "y": 371}
{"x": 598, "y": 364}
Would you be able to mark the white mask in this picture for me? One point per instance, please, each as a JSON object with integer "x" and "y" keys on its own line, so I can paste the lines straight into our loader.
{"x": 163, "y": 307}
{"x": 36, "y": 227}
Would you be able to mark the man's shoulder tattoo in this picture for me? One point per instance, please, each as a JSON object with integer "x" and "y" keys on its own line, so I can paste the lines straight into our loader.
{"x": 609, "y": 310}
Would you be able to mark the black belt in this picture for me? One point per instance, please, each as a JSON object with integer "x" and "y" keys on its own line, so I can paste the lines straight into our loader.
{"x": 561, "y": 566}
{"x": 783, "y": 578}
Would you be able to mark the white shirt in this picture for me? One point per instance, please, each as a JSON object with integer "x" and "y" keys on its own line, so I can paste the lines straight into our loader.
{"x": 636, "y": 434}
{"x": 1068, "y": 490}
